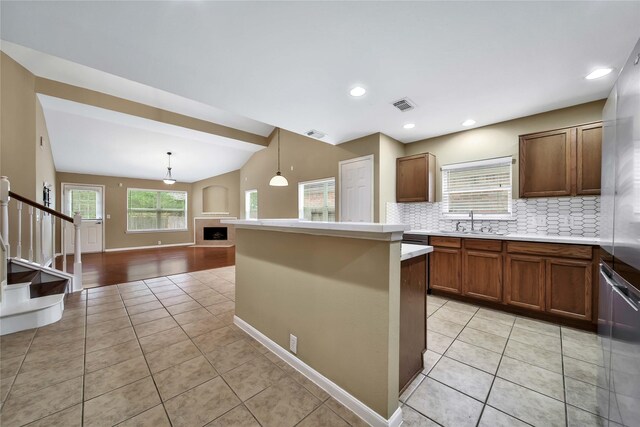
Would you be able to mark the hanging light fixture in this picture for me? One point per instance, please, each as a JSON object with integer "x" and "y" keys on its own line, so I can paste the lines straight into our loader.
{"x": 168, "y": 179}
{"x": 278, "y": 180}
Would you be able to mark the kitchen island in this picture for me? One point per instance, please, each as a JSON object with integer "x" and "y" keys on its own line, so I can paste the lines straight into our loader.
{"x": 334, "y": 289}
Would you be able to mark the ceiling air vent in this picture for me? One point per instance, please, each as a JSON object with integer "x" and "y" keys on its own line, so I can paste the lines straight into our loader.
{"x": 315, "y": 134}
{"x": 404, "y": 104}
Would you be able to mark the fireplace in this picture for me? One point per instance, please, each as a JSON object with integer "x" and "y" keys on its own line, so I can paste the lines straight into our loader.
{"x": 215, "y": 233}
{"x": 209, "y": 231}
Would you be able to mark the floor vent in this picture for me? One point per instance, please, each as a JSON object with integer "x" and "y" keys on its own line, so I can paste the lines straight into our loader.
{"x": 315, "y": 134}
{"x": 404, "y": 104}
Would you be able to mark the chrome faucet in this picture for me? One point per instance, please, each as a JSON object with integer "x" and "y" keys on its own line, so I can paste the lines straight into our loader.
{"x": 471, "y": 215}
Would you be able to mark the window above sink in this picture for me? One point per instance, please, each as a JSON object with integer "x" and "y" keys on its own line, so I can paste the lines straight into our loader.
{"x": 483, "y": 186}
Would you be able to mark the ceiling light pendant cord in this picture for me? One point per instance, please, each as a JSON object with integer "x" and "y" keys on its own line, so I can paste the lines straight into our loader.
{"x": 278, "y": 150}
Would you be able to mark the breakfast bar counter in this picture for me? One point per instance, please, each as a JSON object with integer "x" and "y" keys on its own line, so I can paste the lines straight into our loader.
{"x": 326, "y": 298}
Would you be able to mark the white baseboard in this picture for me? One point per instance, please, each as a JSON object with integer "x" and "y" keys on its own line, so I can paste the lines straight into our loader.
{"x": 360, "y": 409}
{"x": 149, "y": 247}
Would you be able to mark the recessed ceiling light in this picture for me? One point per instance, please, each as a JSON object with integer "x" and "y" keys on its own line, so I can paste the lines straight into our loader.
{"x": 358, "y": 91}
{"x": 469, "y": 122}
{"x": 409, "y": 126}
{"x": 600, "y": 72}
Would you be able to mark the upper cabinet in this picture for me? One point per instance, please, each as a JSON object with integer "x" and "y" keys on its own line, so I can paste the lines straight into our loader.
{"x": 416, "y": 178}
{"x": 588, "y": 158}
{"x": 563, "y": 162}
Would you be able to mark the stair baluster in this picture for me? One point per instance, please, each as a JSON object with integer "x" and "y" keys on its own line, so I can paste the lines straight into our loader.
{"x": 19, "y": 245}
{"x": 63, "y": 244}
{"x": 53, "y": 241}
{"x": 30, "y": 233}
{"x": 4, "y": 205}
{"x": 77, "y": 253}
{"x": 41, "y": 216}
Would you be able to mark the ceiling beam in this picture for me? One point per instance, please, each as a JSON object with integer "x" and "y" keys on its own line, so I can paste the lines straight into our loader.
{"x": 109, "y": 102}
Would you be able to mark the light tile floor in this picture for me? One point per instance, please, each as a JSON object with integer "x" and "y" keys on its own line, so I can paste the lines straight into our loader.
{"x": 490, "y": 368}
{"x": 164, "y": 352}
{"x": 158, "y": 352}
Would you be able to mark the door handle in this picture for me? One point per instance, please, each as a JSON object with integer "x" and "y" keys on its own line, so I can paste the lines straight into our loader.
{"x": 620, "y": 290}
{"x": 99, "y": 222}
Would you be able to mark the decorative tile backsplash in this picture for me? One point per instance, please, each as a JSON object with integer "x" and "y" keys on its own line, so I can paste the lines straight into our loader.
{"x": 556, "y": 216}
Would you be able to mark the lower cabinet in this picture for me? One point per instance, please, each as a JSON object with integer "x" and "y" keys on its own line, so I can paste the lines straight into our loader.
{"x": 568, "y": 288}
{"x": 445, "y": 270}
{"x": 542, "y": 277}
{"x": 413, "y": 316}
{"x": 482, "y": 275}
{"x": 524, "y": 285}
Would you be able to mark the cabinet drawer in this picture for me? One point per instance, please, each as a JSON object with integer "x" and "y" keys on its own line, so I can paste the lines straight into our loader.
{"x": 483, "y": 245}
{"x": 446, "y": 242}
{"x": 550, "y": 249}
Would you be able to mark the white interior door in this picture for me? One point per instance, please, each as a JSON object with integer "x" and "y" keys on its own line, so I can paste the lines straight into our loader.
{"x": 88, "y": 200}
{"x": 356, "y": 189}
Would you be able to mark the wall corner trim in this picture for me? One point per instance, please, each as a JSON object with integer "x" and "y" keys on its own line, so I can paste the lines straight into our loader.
{"x": 335, "y": 391}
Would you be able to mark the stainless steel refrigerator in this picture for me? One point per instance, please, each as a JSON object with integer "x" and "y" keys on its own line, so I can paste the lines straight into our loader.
{"x": 618, "y": 399}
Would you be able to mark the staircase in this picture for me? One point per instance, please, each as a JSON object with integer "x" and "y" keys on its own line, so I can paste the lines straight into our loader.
{"x": 33, "y": 297}
{"x": 32, "y": 293}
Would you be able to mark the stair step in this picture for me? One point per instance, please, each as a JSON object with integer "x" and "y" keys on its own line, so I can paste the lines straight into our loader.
{"x": 53, "y": 287}
{"x": 21, "y": 277}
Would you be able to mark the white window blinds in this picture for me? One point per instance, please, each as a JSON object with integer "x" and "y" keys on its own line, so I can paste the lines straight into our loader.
{"x": 483, "y": 187}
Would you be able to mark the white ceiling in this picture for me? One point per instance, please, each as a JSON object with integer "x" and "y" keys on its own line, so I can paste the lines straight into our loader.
{"x": 291, "y": 64}
{"x": 92, "y": 140}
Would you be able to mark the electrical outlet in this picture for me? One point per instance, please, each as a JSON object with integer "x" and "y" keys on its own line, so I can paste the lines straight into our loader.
{"x": 159, "y": 242}
{"x": 293, "y": 343}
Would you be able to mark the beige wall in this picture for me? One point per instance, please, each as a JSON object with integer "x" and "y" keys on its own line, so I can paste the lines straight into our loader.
{"x": 116, "y": 235}
{"x": 17, "y": 136}
{"x": 340, "y": 297}
{"x": 230, "y": 181}
{"x": 310, "y": 159}
{"x": 500, "y": 139}
{"x": 390, "y": 150}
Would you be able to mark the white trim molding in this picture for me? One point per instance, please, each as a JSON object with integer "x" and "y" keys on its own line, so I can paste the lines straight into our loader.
{"x": 360, "y": 409}
{"x": 149, "y": 247}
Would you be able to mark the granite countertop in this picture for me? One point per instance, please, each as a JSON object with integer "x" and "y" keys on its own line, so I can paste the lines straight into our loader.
{"x": 409, "y": 251}
{"x": 576, "y": 240}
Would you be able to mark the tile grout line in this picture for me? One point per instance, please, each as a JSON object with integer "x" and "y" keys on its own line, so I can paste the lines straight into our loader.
{"x": 207, "y": 359}
{"x": 564, "y": 382}
{"x": 148, "y": 367}
{"x": 493, "y": 380}
{"x": 18, "y": 371}
{"x": 441, "y": 356}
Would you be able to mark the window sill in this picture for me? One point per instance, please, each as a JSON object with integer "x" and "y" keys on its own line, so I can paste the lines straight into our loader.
{"x": 181, "y": 230}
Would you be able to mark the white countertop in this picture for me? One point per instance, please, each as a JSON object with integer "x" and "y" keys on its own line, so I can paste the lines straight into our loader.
{"x": 576, "y": 240}
{"x": 363, "y": 230}
{"x": 409, "y": 251}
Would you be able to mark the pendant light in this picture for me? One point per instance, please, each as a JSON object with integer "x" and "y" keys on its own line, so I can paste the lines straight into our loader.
{"x": 278, "y": 180}
{"x": 168, "y": 179}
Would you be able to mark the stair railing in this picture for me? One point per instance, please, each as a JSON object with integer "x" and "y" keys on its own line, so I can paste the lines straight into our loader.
{"x": 38, "y": 211}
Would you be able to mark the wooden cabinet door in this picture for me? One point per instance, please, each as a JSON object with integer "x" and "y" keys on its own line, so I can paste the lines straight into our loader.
{"x": 545, "y": 163}
{"x": 524, "y": 282}
{"x": 569, "y": 288}
{"x": 588, "y": 158}
{"x": 482, "y": 275}
{"x": 445, "y": 268}
{"x": 415, "y": 178}
{"x": 413, "y": 316}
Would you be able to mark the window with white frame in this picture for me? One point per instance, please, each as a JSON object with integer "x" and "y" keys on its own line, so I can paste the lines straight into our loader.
{"x": 251, "y": 204}
{"x": 483, "y": 187}
{"x": 156, "y": 210}
{"x": 317, "y": 200}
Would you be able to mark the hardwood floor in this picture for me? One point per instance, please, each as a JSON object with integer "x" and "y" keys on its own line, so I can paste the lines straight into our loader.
{"x": 110, "y": 268}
